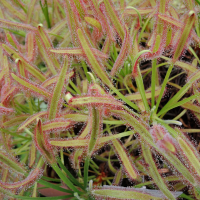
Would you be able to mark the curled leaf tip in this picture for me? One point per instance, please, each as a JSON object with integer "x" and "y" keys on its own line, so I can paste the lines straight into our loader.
{"x": 68, "y": 96}
{"x": 40, "y": 25}
{"x": 92, "y": 77}
{"x": 191, "y": 13}
{"x": 17, "y": 60}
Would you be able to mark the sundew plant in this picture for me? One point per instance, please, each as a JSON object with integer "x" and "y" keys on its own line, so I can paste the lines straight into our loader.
{"x": 99, "y": 99}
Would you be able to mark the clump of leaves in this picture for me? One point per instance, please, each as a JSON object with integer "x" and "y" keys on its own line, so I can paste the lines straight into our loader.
{"x": 84, "y": 97}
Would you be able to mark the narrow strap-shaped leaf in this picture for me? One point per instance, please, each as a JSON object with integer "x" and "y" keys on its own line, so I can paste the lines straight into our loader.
{"x": 71, "y": 177}
{"x": 153, "y": 82}
{"x": 86, "y": 169}
{"x": 190, "y": 153}
{"x": 106, "y": 45}
{"x": 71, "y": 20}
{"x": 59, "y": 26}
{"x": 5, "y": 111}
{"x": 21, "y": 68}
{"x": 169, "y": 36}
{"x": 180, "y": 103}
{"x": 174, "y": 160}
{"x": 12, "y": 163}
{"x": 6, "y": 99}
{"x": 182, "y": 64}
{"x": 170, "y": 20}
{"x": 2, "y": 73}
{"x": 125, "y": 159}
{"x": 32, "y": 86}
{"x": 53, "y": 186}
{"x": 36, "y": 73}
{"x": 95, "y": 132}
{"x": 156, "y": 44}
{"x": 80, "y": 101}
{"x": 6, "y": 67}
{"x": 99, "y": 15}
{"x": 15, "y": 120}
{"x": 31, "y": 120}
{"x": 131, "y": 11}
{"x": 118, "y": 177}
{"x": 182, "y": 91}
{"x": 80, "y": 8}
{"x": 114, "y": 18}
{"x": 32, "y": 155}
{"x": 56, "y": 124}
{"x": 173, "y": 12}
{"x": 45, "y": 55}
{"x": 84, "y": 142}
{"x": 16, "y": 25}
{"x": 13, "y": 10}
{"x": 57, "y": 91}
{"x": 86, "y": 131}
{"x": 42, "y": 144}
{"x": 119, "y": 135}
{"x": 154, "y": 171}
{"x": 69, "y": 143}
{"x": 76, "y": 117}
{"x": 163, "y": 86}
{"x": 78, "y": 51}
{"x": 173, "y": 21}
{"x": 47, "y": 45}
{"x": 180, "y": 167}
{"x": 31, "y": 46}
{"x": 136, "y": 59}
{"x": 136, "y": 124}
{"x": 64, "y": 178}
{"x": 95, "y": 65}
{"x": 30, "y": 10}
{"x": 123, "y": 53}
{"x": 5, "y": 175}
{"x": 5, "y": 193}
{"x": 140, "y": 85}
{"x": 189, "y": 23}
{"x": 12, "y": 40}
{"x": 115, "y": 192}
{"x": 191, "y": 106}
{"x": 54, "y": 79}
{"x": 160, "y": 26}
{"x": 75, "y": 158}
{"x": 112, "y": 169}
{"x": 93, "y": 22}
{"x": 31, "y": 178}
{"x": 44, "y": 37}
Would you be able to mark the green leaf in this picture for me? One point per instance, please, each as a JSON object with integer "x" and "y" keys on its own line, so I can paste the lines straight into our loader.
{"x": 57, "y": 91}
{"x": 35, "y": 72}
{"x": 71, "y": 177}
{"x": 182, "y": 91}
{"x": 45, "y": 12}
{"x": 127, "y": 193}
{"x": 32, "y": 86}
{"x": 180, "y": 103}
{"x": 114, "y": 18}
{"x": 154, "y": 171}
{"x": 95, "y": 132}
{"x": 86, "y": 168}
{"x": 64, "y": 178}
{"x": 95, "y": 65}
{"x": 163, "y": 86}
